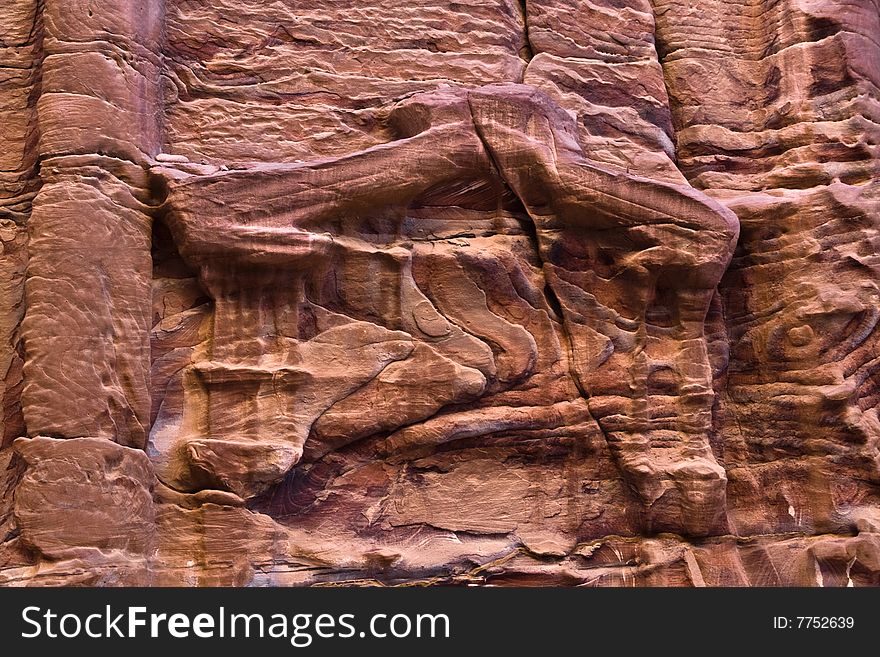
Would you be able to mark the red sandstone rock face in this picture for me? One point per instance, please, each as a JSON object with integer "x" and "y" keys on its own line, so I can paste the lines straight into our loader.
{"x": 513, "y": 293}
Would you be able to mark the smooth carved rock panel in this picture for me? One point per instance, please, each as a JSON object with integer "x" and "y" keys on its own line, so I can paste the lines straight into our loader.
{"x": 543, "y": 292}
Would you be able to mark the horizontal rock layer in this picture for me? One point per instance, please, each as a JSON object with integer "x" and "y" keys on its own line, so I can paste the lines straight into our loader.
{"x": 557, "y": 292}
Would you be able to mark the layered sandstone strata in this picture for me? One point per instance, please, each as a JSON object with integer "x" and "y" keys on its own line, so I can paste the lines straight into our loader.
{"x": 553, "y": 292}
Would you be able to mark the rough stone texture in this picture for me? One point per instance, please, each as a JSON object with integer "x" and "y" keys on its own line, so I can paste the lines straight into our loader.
{"x": 106, "y": 487}
{"x": 526, "y": 293}
{"x": 20, "y": 79}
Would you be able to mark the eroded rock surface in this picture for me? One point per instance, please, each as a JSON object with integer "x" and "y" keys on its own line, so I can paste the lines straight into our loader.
{"x": 515, "y": 293}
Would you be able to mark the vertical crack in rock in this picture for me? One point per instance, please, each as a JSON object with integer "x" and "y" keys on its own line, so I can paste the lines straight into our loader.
{"x": 533, "y": 143}
{"x": 659, "y": 50}
{"x": 547, "y": 290}
{"x": 527, "y": 51}
{"x": 283, "y": 299}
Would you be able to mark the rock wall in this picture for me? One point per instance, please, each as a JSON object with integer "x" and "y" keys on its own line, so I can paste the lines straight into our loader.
{"x": 525, "y": 293}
